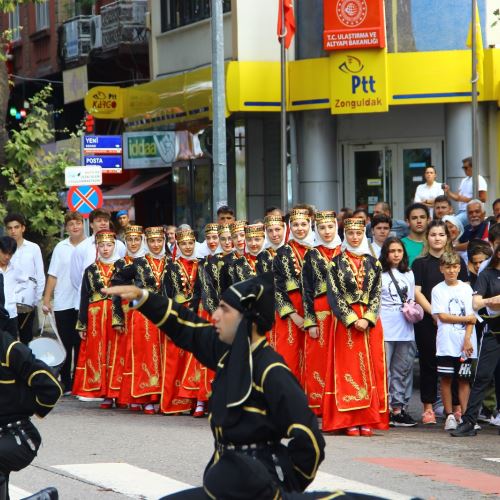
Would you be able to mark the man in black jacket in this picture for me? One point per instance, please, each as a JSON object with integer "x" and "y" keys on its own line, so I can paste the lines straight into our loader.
{"x": 27, "y": 388}
{"x": 256, "y": 401}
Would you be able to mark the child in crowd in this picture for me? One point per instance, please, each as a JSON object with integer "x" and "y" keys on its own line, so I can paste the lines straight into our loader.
{"x": 398, "y": 286}
{"x": 456, "y": 339}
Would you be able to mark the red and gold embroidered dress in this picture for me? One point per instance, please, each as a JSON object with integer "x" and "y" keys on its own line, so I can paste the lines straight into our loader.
{"x": 356, "y": 383}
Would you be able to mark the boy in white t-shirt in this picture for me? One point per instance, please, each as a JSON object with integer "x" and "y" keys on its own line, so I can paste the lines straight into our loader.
{"x": 456, "y": 343}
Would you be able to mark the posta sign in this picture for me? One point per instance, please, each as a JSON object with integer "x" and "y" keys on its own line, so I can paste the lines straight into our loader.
{"x": 353, "y": 24}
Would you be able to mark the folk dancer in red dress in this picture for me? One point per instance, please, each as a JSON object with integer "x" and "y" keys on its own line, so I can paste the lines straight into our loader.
{"x": 98, "y": 328}
{"x": 317, "y": 313}
{"x": 226, "y": 275}
{"x": 147, "y": 272}
{"x": 182, "y": 284}
{"x": 255, "y": 260}
{"x": 287, "y": 266}
{"x": 355, "y": 397}
{"x": 276, "y": 237}
{"x": 134, "y": 242}
{"x": 197, "y": 379}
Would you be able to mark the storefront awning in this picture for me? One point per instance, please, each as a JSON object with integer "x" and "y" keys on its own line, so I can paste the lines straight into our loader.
{"x": 136, "y": 185}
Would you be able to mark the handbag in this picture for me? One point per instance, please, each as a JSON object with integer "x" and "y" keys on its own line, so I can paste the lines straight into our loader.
{"x": 412, "y": 311}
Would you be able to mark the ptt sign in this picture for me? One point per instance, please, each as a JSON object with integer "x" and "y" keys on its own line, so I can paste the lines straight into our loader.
{"x": 358, "y": 83}
{"x": 105, "y": 102}
{"x": 367, "y": 84}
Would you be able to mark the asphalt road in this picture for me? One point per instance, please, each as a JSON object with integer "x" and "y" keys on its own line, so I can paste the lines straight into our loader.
{"x": 89, "y": 453}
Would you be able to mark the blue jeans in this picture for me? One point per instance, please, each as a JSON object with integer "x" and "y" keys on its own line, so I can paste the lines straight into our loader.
{"x": 400, "y": 356}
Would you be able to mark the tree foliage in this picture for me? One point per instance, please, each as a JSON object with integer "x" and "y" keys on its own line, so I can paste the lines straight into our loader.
{"x": 34, "y": 174}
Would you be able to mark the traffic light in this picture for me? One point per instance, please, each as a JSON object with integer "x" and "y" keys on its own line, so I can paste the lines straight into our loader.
{"x": 89, "y": 124}
{"x": 18, "y": 114}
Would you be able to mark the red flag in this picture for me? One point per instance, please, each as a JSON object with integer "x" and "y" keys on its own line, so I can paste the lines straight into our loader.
{"x": 287, "y": 5}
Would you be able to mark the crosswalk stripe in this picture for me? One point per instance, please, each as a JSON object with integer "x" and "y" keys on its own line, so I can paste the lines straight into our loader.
{"x": 16, "y": 493}
{"x": 492, "y": 459}
{"x": 329, "y": 482}
{"x": 126, "y": 479}
{"x": 136, "y": 482}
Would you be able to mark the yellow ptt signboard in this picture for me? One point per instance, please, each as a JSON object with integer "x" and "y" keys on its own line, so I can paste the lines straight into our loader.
{"x": 105, "y": 102}
{"x": 358, "y": 81}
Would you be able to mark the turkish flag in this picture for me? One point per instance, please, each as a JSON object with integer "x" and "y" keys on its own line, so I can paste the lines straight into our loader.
{"x": 287, "y": 5}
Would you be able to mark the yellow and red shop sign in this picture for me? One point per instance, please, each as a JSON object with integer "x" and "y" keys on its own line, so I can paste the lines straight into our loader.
{"x": 104, "y": 102}
{"x": 358, "y": 82}
{"x": 353, "y": 24}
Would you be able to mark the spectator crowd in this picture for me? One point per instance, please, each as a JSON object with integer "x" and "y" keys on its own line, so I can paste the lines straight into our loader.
{"x": 359, "y": 298}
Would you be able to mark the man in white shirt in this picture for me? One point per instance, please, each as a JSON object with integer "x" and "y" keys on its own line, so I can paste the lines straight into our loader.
{"x": 465, "y": 192}
{"x": 11, "y": 277}
{"x": 85, "y": 253}
{"x": 381, "y": 228}
{"x": 28, "y": 259}
{"x": 65, "y": 295}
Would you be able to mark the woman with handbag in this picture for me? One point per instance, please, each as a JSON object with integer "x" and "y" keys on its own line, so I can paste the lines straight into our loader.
{"x": 398, "y": 291}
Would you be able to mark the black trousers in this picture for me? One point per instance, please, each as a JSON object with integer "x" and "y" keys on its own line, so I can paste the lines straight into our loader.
{"x": 66, "y": 323}
{"x": 16, "y": 453}
{"x": 25, "y": 323}
{"x": 489, "y": 356}
{"x": 425, "y": 337}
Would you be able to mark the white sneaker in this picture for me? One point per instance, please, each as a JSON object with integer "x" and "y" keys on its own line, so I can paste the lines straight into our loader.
{"x": 451, "y": 423}
{"x": 495, "y": 420}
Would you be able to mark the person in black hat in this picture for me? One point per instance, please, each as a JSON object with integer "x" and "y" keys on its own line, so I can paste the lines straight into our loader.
{"x": 256, "y": 401}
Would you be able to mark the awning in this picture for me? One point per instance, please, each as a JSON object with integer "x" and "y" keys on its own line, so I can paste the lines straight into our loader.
{"x": 136, "y": 185}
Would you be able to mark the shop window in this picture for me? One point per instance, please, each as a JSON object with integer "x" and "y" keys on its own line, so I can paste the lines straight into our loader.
{"x": 14, "y": 24}
{"x": 177, "y": 13}
{"x": 42, "y": 15}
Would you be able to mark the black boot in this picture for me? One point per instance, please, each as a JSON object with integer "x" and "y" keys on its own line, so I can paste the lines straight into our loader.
{"x": 45, "y": 494}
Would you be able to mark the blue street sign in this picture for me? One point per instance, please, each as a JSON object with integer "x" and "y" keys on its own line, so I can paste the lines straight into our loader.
{"x": 102, "y": 145}
{"x": 111, "y": 164}
{"x": 84, "y": 199}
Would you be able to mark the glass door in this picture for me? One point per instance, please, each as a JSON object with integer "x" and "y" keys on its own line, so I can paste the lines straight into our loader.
{"x": 412, "y": 159}
{"x": 368, "y": 176}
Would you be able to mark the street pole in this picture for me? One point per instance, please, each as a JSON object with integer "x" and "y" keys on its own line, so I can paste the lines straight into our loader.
{"x": 284, "y": 179}
{"x": 219, "y": 156}
{"x": 474, "y": 80}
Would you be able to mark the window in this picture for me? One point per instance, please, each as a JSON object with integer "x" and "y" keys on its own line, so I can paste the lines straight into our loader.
{"x": 42, "y": 15}
{"x": 14, "y": 24}
{"x": 177, "y": 13}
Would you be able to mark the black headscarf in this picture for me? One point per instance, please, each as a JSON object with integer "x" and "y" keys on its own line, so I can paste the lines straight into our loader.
{"x": 255, "y": 299}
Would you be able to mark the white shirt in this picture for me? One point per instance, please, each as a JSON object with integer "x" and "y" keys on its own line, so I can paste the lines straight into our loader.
{"x": 456, "y": 300}
{"x": 424, "y": 192}
{"x": 65, "y": 295}
{"x": 376, "y": 248}
{"x": 28, "y": 259}
{"x": 12, "y": 277}
{"x": 465, "y": 189}
{"x": 84, "y": 255}
{"x": 394, "y": 324}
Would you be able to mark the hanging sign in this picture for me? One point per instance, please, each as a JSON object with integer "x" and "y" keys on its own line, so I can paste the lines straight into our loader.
{"x": 353, "y": 24}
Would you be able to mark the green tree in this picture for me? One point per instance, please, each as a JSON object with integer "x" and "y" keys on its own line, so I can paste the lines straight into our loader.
{"x": 34, "y": 175}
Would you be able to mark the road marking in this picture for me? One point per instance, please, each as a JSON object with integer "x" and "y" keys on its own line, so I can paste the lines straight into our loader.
{"x": 17, "y": 493}
{"x": 329, "y": 482}
{"x": 492, "y": 459}
{"x": 438, "y": 471}
{"x": 126, "y": 479}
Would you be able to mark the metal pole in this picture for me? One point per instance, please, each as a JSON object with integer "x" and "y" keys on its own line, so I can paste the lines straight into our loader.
{"x": 475, "y": 78}
{"x": 284, "y": 179}
{"x": 219, "y": 156}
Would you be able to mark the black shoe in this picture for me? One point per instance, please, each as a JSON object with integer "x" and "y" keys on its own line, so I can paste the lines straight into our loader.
{"x": 391, "y": 419}
{"x": 465, "y": 429}
{"x": 45, "y": 494}
{"x": 403, "y": 419}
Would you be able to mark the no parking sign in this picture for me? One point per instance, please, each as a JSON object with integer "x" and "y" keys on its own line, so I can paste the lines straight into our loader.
{"x": 84, "y": 199}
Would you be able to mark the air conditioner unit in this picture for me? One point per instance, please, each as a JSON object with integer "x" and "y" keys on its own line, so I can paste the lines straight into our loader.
{"x": 95, "y": 33}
